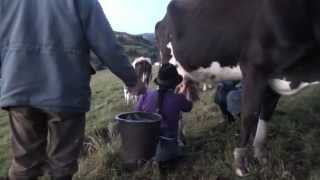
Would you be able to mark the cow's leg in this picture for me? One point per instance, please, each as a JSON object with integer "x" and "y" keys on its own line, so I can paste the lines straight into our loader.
{"x": 269, "y": 104}
{"x": 254, "y": 87}
{"x": 135, "y": 99}
{"x": 204, "y": 87}
{"x": 126, "y": 95}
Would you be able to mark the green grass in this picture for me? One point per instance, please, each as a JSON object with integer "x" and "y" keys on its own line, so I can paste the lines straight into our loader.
{"x": 293, "y": 140}
{"x": 4, "y": 143}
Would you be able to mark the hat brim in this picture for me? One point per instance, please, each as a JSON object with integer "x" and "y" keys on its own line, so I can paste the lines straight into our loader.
{"x": 171, "y": 82}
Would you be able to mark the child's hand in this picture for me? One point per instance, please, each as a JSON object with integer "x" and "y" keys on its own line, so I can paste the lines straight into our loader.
{"x": 181, "y": 88}
{"x": 189, "y": 89}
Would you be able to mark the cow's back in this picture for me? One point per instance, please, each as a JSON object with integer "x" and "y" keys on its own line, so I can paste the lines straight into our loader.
{"x": 205, "y": 30}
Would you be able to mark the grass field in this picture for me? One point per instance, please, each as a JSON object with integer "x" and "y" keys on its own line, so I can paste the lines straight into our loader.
{"x": 293, "y": 140}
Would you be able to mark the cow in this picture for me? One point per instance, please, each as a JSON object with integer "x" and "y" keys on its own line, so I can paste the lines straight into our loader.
{"x": 143, "y": 68}
{"x": 273, "y": 46}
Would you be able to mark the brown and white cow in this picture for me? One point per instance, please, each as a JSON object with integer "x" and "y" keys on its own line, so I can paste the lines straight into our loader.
{"x": 143, "y": 68}
{"x": 272, "y": 45}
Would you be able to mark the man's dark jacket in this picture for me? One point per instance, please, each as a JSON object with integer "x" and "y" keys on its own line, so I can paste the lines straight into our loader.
{"x": 44, "y": 52}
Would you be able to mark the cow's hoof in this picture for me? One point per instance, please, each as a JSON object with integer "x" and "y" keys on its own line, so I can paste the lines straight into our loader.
{"x": 263, "y": 161}
{"x": 240, "y": 165}
{"x": 260, "y": 155}
{"x": 241, "y": 172}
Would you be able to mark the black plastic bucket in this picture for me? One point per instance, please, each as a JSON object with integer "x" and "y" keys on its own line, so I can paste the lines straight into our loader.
{"x": 139, "y": 133}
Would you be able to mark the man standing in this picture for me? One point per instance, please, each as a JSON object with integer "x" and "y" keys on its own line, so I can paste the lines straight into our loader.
{"x": 44, "y": 53}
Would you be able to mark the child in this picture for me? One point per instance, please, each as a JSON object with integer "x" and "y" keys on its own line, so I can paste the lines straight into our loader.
{"x": 169, "y": 105}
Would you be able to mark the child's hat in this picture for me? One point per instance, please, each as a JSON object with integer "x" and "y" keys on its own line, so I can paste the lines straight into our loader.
{"x": 168, "y": 76}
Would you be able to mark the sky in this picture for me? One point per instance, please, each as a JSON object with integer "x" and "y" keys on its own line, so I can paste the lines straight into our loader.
{"x": 134, "y": 16}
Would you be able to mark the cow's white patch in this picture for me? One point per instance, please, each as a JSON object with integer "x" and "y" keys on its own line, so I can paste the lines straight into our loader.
{"x": 128, "y": 97}
{"x": 239, "y": 172}
{"x": 239, "y": 155}
{"x": 144, "y": 77}
{"x": 206, "y": 86}
{"x": 140, "y": 59}
{"x": 156, "y": 64}
{"x": 215, "y": 71}
{"x": 260, "y": 139}
{"x": 282, "y": 86}
{"x": 173, "y": 61}
{"x": 161, "y": 55}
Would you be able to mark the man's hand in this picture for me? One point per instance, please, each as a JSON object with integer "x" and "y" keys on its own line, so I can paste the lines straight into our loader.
{"x": 139, "y": 88}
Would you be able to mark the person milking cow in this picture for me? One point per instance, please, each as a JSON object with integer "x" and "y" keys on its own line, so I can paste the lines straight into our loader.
{"x": 228, "y": 97}
{"x": 44, "y": 51}
{"x": 169, "y": 104}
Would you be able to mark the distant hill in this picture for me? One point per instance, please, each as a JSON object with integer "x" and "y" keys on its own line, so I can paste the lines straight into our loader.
{"x": 150, "y": 37}
{"x": 134, "y": 46}
{"x": 138, "y": 45}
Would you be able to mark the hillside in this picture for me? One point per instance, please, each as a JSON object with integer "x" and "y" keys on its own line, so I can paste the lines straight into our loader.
{"x": 134, "y": 46}
{"x": 150, "y": 37}
{"x": 137, "y": 45}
